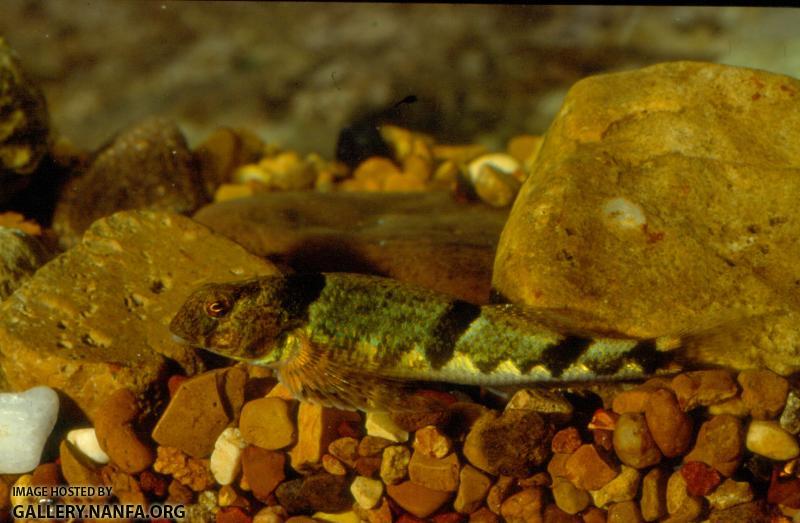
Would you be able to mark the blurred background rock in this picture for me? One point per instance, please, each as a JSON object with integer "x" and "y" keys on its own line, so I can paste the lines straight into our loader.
{"x": 297, "y": 73}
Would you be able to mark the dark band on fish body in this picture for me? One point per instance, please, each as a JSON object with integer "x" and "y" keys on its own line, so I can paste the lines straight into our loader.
{"x": 557, "y": 358}
{"x": 300, "y": 291}
{"x": 648, "y": 357}
{"x": 451, "y": 325}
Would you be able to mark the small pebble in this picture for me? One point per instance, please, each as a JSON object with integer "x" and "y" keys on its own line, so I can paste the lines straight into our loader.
{"x": 624, "y": 512}
{"x": 366, "y": 491}
{"x": 372, "y": 445}
{"x": 633, "y": 443}
{"x": 226, "y": 458}
{"x": 524, "y": 506}
{"x": 368, "y": 466}
{"x": 670, "y": 427}
{"x": 701, "y": 479}
{"x": 416, "y": 499}
{"x": 85, "y": 440}
{"x": 588, "y": 469}
{"x": 273, "y": 514}
{"x": 633, "y": 400}
{"x": 622, "y": 488}
{"x": 790, "y": 417}
{"x": 472, "y": 489}
{"x": 434, "y": 473}
{"x": 594, "y": 515}
{"x": 333, "y": 465}
{"x": 26, "y": 421}
{"x": 729, "y": 494}
{"x": 345, "y": 449}
{"x": 114, "y": 427}
{"x": 784, "y": 491}
{"x": 339, "y": 517}
{"x": 703, "y": 388}
{"x": 316, "y": 429}
{"x": 380, "y": 424}
{"x": 75, "y": 468}
{"x": 495, "y": 178}
{"x": 394, "y": 464}
{"x": 267, "y": 423}
{"x": 719, "y": 444}
{"x": 681, "y": 504}
{"x": 768, "y": 439}
{"x": 431, "y": 442}
{"x": 654, "y": 494}
{"x": 483, "y": 515}
{"x": 734, "y": 407}
{"x": 264, "y": 470}
{"x": 498, "y": 493}
{"x": 764, "y": 392}
{"x": 566, "y": 441}
{"x": 568, "y": 497}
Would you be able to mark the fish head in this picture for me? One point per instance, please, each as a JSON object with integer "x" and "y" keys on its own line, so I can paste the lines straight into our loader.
{"x": 245, "y": 320}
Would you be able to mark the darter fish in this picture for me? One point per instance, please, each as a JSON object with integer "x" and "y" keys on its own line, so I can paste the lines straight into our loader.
{"x": 357, "y": 341}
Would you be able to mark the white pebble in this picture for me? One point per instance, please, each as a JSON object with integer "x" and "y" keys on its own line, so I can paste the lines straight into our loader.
{"x": 86, "y": 441}
{"x": 26, "y": 421}
{"x": 624, "y": 213}
{"x": 366, "y": 491}
{"x": 380, "y": 424}
{"x": 768, "y": 439}
{"x": 226, "y": 459}
{"x": 505, "y": 163}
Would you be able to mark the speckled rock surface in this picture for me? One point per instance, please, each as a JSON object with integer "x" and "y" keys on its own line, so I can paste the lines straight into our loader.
{"x": 94, "y": 319}
{"x": 20, "y": 256}
{"x": 24, "y": 123}
{"x": 147, "y": 166}
{"x": 423, "y": 238}
{"x": 670, "y": 165}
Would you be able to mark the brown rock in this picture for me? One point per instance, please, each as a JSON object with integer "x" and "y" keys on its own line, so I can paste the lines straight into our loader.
{"x": 472, "y": 489}
{"x": 333, "y": 465}
{"x": 594, "y": 515}
{"x": 192, "y": 472}
{"x": 233, "y": 515}
{"x": 654, "y": 494}
{"x": 404, "y": 236}
{"x": 124, "y": 486}
{"x": 754, "y": 512}
{"x": 148, "y": 166}
{"x": 316, "y": 429}
{"x": 93, "y": 320}
{"x": 633, "y": 400}
{"x": 653, "y": 163}
{"x": 553, "y": 514}
{"x": 416, "y": 499}
{"x": 523, "y": 507}
{"x": 319, "y": 492}
{"x": 372, "y": 445}
{"x": 434, "y": 473}
{"x": 24, "y": 123}
{"x": 178, "y": 493}
{"x": 483, "y": 515}
{"x": 116, "y": 433}
{"x": 222, "y": 152}
{"x": 511, "y": 444}
{"x": 267, "y": 423}
{"x": 681, "y": 505}
{"x": 670, "y": 427}
{"x": 431, "y": 442}
{"x": 622, "y": 488}
{"x": 719, "y": 443}
{"x": 46, "y": 475}
{"x": 568, "y": 497}
{"x": 566, "y": 441}
{"x": 704, "y": 387}
{"x": 557, "y": 466}
{"x": 263, "y": 470}
{"x": 588, "y": 469}
{"x": 625, "y": 512}
{"x": 368, "y": 466}
{"x": 394, "y": 464}
{"x": 784, "y": 491}
{"x": 764, "y": 392}
{"x": 729, "y": 494}
{"x": 345, "y": 449}
{"x": 498, "y": 493}
{"x": 790, "y": 417}
{"x": 76, "y": 468}
{"x": 200, "y": 410}
{"x": 701, "y": 479}
{"x": 633, "y": 443}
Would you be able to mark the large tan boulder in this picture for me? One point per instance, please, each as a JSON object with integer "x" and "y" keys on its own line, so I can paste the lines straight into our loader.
{"x": 95, "y": 319}
{"x": 663, "y": 201}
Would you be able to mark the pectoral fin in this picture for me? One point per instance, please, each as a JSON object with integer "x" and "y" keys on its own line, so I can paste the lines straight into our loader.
{"x": 342, "y": 379}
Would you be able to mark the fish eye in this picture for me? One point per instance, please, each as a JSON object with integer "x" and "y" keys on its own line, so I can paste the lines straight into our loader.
{"x": 218, "y": 308}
